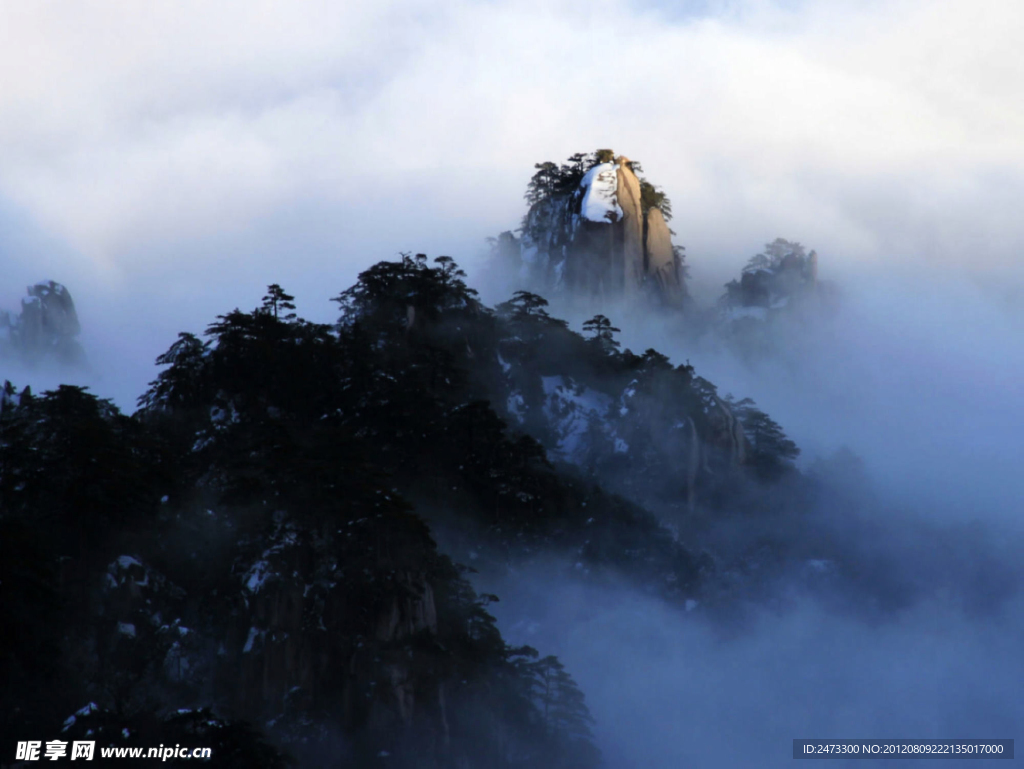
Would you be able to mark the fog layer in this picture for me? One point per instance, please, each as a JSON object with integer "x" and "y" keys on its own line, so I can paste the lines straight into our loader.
{"x": 669, "y": 689}
{"x": 167, "y": 164}
{"x": 906, "y": 620}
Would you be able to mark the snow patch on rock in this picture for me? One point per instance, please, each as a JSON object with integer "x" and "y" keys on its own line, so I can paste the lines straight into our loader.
{"x": 600, "y": 201}
{"x": 571, "y": 409}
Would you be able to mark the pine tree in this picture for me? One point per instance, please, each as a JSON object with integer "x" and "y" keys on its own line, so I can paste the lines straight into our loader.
{"x": 770, "y": 452}
{"x": 181, "y": 383}
{"x": 561, "y": 704}
{"x": 277, "y": 300}
{"x": 526, "y": 307}
{"x": 602, "y": 332}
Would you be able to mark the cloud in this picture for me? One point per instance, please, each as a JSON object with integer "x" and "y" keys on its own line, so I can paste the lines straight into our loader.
{"x": 128, "y": 126}
{"x": 170, "y": 161}
{"x": 670, "y": 688}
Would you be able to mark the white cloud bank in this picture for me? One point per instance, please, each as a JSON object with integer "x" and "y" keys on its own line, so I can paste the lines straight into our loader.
{"x": 169, "y": 160}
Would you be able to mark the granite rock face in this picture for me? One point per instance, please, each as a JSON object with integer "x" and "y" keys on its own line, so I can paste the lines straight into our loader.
{"x": 628, "y": 191}
{"x": 661, "y": 265}
{"x": 597, "y": 230}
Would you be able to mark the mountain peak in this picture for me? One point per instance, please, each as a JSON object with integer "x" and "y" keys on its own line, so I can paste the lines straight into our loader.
{"x": 46, "y": 328}
{"x": 597, "y": 229}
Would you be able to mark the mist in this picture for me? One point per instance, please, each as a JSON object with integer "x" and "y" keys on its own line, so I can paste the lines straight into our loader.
{"x": 902, "y": 616}
{"x": 668, "y": 688}
{"x": 917, "y": 374}
{"x": 168, "y": 165}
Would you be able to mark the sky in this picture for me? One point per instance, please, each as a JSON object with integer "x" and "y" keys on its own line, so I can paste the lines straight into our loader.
{"x": 181, "y": 156}
{"x": 168, "y": 161}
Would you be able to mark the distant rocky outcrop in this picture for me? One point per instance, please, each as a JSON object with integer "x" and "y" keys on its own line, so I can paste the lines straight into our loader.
{"x": 46, "y": 330}
{"x": 597, "y": 229}
{"x": 784, "y": 272}
{"x": 779, "y": 284}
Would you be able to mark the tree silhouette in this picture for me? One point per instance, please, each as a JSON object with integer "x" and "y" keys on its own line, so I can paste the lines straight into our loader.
{"x": 527, "y": 307}
{"x": 602, "y": 332}
{"x": 561, "y": 705}
{"x": 770, "y": 452}
{"x": 277, "y": 300}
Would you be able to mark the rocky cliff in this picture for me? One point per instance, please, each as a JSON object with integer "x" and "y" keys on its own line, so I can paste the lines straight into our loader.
{"x": 782, "y": 274}
{"x": 46, "y": 329}
{"x": 597, "y": 229}
{"x": 777, "y": 294}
